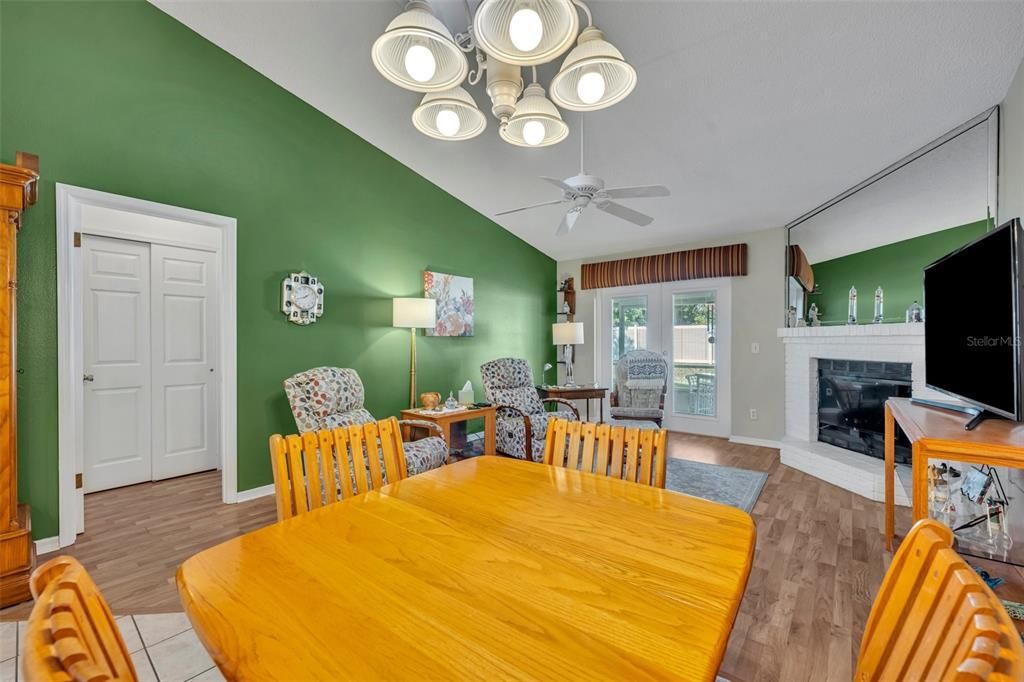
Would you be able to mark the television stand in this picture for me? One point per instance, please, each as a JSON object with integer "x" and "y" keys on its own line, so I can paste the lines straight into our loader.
{"x": 978, "y": 415}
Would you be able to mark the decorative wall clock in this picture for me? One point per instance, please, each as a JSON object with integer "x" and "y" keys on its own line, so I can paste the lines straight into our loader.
{"x": 302, "y": 298}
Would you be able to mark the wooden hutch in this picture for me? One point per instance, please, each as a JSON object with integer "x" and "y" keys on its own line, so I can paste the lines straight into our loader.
{"x": 18, "y": 188}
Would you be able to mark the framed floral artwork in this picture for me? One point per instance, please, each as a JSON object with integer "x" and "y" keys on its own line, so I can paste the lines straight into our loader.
{"x": 454, "y": 296}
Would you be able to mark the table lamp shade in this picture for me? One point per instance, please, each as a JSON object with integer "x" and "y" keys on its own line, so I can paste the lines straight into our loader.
{"x": 567, "y": 333}
{"x": 412, "y": 313}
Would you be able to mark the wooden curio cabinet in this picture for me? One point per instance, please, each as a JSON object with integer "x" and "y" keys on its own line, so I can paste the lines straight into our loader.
{"x": 18, "y": 187}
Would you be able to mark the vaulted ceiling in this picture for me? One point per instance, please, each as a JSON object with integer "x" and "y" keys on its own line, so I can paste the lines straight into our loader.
{"x": 751, "y": 112}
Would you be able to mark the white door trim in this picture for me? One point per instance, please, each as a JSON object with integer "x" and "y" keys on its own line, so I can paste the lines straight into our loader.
{"x": 212, "y": 233}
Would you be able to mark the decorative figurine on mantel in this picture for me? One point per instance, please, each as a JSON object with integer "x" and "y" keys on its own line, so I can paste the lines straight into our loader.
{"x": 851, "y": 317}
{"x": 915, "y": 313}
{"x": 791, "y": 316}
{"x": 879, "y": 305}
{"x": 812, "y": 315}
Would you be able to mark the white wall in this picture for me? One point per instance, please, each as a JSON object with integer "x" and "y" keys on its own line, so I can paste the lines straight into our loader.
{"x": 758, "y": 301}
{"x": 1011, "y": 152}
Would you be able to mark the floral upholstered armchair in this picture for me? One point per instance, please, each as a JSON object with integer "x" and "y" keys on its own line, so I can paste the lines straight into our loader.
{"x": 329, "y": 397}
{"x": 641, "y": 379}
{"x": 522, "y": 422}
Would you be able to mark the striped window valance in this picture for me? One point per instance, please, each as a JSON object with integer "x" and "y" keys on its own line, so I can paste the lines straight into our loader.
{"x": 800, "y": 268}
{"x": 717, "y": 261}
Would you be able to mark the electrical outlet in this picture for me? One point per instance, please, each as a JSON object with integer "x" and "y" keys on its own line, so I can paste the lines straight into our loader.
{"x": 755, "y": 348}
{"x": 753, "y": 414}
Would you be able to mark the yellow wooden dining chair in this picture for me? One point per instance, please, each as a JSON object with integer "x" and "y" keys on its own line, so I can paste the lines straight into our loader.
{"x": 71, "y": 633}
{"x": 310, "y": 470}
{"x": 935, "y": 619}
{"x": 629, "y": 453}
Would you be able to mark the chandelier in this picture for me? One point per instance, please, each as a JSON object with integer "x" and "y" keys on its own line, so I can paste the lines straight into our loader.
{"x": 418, "y": 52}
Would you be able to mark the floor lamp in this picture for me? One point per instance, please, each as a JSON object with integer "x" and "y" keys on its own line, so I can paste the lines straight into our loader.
{"x": 413, "y": 314}
{"x": 567, "y": 334}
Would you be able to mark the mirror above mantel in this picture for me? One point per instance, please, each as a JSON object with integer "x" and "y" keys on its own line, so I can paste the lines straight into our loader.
{"x": 885, "y": 230}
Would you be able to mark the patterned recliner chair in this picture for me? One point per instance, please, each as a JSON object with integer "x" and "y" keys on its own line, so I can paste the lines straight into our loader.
{"x": 328, "y": 397}
{"x": 641, "y": 379}
{"x": 522, "y": 422}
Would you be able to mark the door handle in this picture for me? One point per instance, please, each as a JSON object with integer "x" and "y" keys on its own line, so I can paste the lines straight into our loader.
{"x": 88, "y": 377}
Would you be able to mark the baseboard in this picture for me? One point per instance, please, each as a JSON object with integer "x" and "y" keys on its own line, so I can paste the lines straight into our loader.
{"x": 759, "y": 442}
{"x": 47, "y": 545}
{"x": 255, "y": 493}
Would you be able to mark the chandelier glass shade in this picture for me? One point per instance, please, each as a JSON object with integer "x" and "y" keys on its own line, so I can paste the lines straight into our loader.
{"x": 525, "y": 32}
{"x": 417, "y": 52}
{"x": 449, "y": 115}
{"x": 536, "y": 122}
{"x": 593, "y": 76}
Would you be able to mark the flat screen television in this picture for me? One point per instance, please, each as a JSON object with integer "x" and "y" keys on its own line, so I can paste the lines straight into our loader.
{"x": 973, "y": 340}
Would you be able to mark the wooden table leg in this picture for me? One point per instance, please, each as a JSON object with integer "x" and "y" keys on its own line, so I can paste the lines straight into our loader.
{"x": 446, "y": 427}
{"x": 890, "y": 476}
{"x": 920, "y": 492}
{"x": 490, "y": 439}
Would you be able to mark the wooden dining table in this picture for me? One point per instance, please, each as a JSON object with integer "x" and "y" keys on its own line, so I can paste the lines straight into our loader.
{"x": 488, "y": 569}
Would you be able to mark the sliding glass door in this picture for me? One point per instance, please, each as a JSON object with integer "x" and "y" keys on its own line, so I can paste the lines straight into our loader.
{"x": 688, "y": 324}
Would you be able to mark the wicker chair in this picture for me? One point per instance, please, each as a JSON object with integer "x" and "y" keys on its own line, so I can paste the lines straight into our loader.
{"x": 642, "y": 404}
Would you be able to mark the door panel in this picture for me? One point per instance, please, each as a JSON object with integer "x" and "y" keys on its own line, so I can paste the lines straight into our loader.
{"x": 116, "y": 362}
{"x": 697, "y": 343}
{"x": 186, "y": 408}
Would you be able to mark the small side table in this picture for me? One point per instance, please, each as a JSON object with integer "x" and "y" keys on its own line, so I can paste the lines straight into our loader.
{"x": 586, "y": 393}
{"x": 446, "y": 419}
{"x": 940, "y": 434}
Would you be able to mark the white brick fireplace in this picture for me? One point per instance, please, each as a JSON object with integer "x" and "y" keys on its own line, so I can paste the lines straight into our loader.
{"x": 801, "y": 449}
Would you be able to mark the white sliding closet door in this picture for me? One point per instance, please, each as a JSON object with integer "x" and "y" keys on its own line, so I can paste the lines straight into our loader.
{"x": 116, "y": 362}
{"x": 152, "y": 388}
{"x": 186, "y": 405}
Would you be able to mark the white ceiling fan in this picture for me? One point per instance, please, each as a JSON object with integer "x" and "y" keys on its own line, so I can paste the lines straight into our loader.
{"x": 588, "y": 190}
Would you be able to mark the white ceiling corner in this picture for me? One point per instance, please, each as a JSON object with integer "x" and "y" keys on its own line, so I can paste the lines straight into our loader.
{"x": 751, "y": 112}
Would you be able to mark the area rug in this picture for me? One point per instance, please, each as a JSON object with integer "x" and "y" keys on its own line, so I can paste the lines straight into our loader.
{"x": 736, "y": 487}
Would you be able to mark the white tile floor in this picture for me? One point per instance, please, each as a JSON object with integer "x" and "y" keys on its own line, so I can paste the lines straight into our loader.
{"x": 163, "y": 647}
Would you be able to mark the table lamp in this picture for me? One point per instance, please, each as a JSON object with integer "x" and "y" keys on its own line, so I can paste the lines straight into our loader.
{"x": 413, "y": 314}
{"x": 567, "y": 334}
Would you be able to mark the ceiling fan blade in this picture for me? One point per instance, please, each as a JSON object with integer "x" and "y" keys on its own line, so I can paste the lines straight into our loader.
{"x": 527, "y": 208}
{"x": 568, "y": 222}
{"x": 637, "y": 192}
{"x": 560, "y": 184}
{"x": 624, "y": 212}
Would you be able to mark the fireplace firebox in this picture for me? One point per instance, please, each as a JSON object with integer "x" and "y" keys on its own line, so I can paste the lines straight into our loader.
{"x": 851, "y": 404}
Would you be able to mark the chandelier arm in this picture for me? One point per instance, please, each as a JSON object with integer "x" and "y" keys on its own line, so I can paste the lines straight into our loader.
{"x": 586, "y": 10}
{"x": 475, "y": 76}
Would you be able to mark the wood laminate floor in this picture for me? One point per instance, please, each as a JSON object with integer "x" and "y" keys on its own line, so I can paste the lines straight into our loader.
{"x": 818, "y": 563}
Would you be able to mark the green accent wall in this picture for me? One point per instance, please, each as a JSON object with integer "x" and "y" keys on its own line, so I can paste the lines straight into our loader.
{"x": 119, "y": 97}
{"x": 898, "y": 268}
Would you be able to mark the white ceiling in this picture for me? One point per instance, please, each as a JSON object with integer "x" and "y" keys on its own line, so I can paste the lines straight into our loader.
{"x": 751, "y": 112}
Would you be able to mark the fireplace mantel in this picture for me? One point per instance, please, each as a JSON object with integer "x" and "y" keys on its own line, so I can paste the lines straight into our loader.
{"x": 852, "y": 330}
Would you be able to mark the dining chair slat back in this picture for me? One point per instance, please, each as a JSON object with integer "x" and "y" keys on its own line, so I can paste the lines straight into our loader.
{"x": 630, "y": 453}
{"x": 71, "y": 632}
{"x": 935, "y": 619}
{"x": 319, "y": 468}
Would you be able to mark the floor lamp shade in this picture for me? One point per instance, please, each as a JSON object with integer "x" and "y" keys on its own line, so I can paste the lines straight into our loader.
{"x": 413, "y": 313}
{"x": 567, "y": 333}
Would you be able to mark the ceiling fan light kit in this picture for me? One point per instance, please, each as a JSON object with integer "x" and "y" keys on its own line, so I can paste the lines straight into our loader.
{"x": 449, "y": 115}
{"x": 419, "y": 53}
